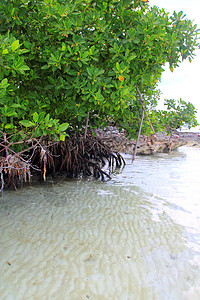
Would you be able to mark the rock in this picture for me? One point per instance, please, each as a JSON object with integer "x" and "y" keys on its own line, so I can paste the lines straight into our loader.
{"x": 159, "y": 142}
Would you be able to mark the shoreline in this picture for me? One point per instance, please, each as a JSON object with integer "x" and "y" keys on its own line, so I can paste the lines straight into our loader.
{"x": 155, "y": 143}
{"x": 113, "y": 142}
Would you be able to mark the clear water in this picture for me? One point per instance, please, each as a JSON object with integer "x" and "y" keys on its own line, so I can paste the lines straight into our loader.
{"x": 136, "y": 236}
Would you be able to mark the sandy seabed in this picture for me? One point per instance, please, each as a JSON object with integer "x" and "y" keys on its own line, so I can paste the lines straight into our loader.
{"x": 85, "y": 240}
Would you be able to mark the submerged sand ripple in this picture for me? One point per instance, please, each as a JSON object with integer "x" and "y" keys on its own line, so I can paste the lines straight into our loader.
{"x": 84, "y": 240}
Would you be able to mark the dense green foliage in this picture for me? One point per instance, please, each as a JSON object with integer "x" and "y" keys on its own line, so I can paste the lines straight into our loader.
{"x": 177, "y": 114}
{"x": 60, "y": 60}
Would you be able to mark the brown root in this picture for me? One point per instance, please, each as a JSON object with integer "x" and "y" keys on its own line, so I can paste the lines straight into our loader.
{"x": 77, "y": 155}
{"x": 14, "y": 169}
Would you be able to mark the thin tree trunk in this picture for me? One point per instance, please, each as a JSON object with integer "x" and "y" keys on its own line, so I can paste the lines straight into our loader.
{"x": 138, "y": 137}
{"x": 86, "y": 125}
{"x": 142, "y": 103}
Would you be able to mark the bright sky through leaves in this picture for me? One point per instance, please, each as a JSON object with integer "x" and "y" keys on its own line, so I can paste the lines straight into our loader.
{"x": 184, "y": 81}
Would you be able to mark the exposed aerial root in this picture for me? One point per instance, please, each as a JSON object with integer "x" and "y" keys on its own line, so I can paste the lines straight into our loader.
{"x": 75, "y": 156}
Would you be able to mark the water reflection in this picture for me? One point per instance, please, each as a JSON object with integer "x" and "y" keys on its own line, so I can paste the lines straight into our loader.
{"x": 136, "y": 236}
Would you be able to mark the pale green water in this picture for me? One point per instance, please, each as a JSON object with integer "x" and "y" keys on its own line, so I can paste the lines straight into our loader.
{"x": 136, "y": 236}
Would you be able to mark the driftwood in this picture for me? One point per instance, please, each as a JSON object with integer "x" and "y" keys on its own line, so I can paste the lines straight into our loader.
{"x": 77, "y": 155}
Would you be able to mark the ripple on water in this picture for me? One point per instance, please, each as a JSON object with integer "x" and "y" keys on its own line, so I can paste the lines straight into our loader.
{"x": 91, "y": 240}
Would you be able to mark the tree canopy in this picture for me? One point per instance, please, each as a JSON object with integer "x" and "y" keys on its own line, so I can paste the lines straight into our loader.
{"x": 64, "y": 61}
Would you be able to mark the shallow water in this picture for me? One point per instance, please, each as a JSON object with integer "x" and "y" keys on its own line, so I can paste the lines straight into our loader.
{"x": 136, "y": 236}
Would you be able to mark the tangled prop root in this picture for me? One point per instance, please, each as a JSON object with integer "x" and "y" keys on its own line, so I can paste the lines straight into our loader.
{"x": 75, "y": 156}
{"x": 14, "y": 168}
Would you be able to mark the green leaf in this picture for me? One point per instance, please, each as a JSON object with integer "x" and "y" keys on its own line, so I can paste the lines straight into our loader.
{"x": 15, "y": 45}
{"x": 41, "y": 116}
{"x": 16, "y": 105}
{"x": 132, "y": 56}
{"x": 24, "y": 68}
{"x": 22, "y": 51}
{"x": 53, "y": 57}
{"x": 63, "y": 127}
{"x": 35, "y": 117}
{"x": 62, "y": 137}
{"x": 89, "y": 71}
{"x": 116, "y": 47}
{"x": 46, "y": 120}
{"x": 5, "y": 51}
{"x": 7, "y": 126}
{"x": 85, "y": 54}
{"x": 45, "y": 67}
{"x": 51, "y": 80}
{"x": 117, "y": 66}
{"x": 27, "y": 44}
{"x": 26, "y": 123}
{"x": 2, "y": 93}
{"x": 4, "y": 83}
{"x": 63, "y": 47}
